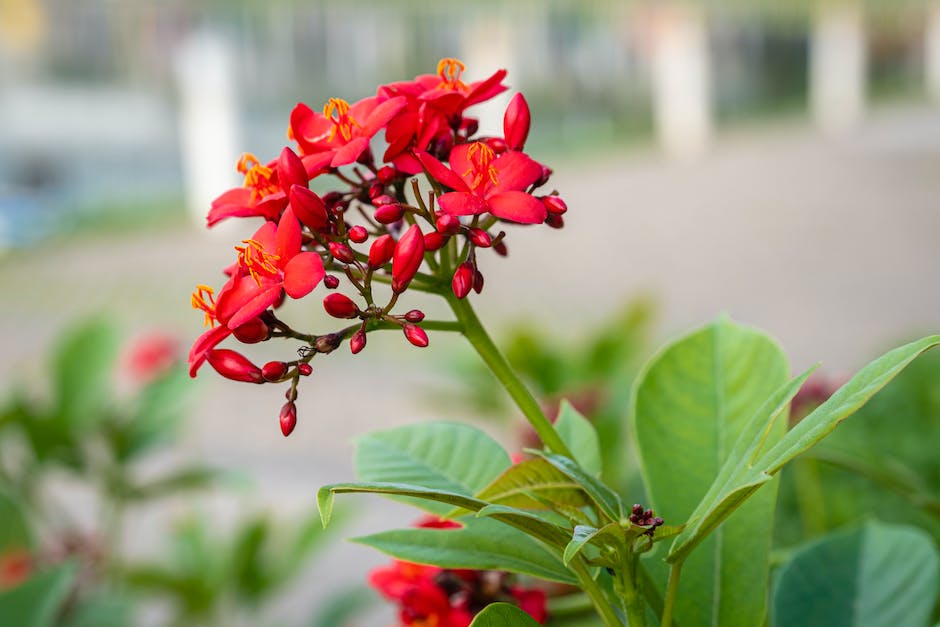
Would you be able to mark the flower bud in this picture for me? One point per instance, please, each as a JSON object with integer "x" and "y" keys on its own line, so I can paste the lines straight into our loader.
{"x": 480, "y": 238}
{"x": 386, "y": 174}
{"x": 433, "y": 241}
{"x": 376, "y": 190}
{"x": 409, "y": 253}
{"x": 358, "y": 234}
{"x": 381, "y": 251}
{"x": 554, "y": 204}
{"x": 516, "y": 122}
{"x": 288, "y": 418}
{"x": 331, "y": 199}
{"x": 477, "y": 281}
{"x": 365, "y": 157}
{"x": 252, "y": 332}
{"x": 416, "y": 335}
{"x": 358, "y": 341}
{"x": 415, "y": 315}
{"x": 331, "y": 282}
{"x": 382, "y": 199}
{"x": 469, "y": 126}
{"x": 546, "y": 174}
{"x": 342, "y": 252}
{"x": 290, "y": 170}
{"x": 340, "y": 306}
{"x": 463, "y": 280}
{"x": 308, "y": 207}
{"x": 497, "y": 144}
{"x": 304, "y": 369}
{"x": 555, "y": 221}
{"x": 500, "y": 248}
{"x": 448, "y": 224}
{"x": 273, "y": 370}
{"x": 234, "y": 366}
{"x": 291, "y": 393}
{"x": 388, "y": 213}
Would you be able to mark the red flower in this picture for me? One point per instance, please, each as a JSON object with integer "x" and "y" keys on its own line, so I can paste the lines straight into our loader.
{"x": 151, "y": 355}
{"x": 261, "y": 194}
{"x": 484, "y": 182}
{"x": 16, "y": 565}
{"x": 342, "y": 132}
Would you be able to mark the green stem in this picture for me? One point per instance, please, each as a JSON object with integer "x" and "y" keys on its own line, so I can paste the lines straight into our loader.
{"x": 597, "y": 596}
{"x": 631, "y": 596}
{"x": 480, "y": 340}
{"x": 675, "y": 571}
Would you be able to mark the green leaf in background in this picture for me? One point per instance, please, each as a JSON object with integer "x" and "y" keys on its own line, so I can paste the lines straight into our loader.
{"x": 691, "y": 404}
{"x": 174, "y": 483}
{"x": 874, "y": 576}
{"x": 101, "y": 610}
{"x": 580, "y": 437}
{"x": 36, "y": 602}
{"x": 14, "y": 529}
{"x": 503, "y": 615}
{"x": 82, "y": 370}
{"x": 159, "y": 410}
{"x": 441, "y": 456}
{"x": 534, "y": 484}
{"x": 481, "y": 544}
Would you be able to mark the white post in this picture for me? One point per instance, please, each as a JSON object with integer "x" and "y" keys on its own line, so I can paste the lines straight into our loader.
{"x": 487, "y": 46}
{"x": 208, "y": 120}
{"x": 932, "y": 50}
{"x": 837, "y": 67}
{"x": 681, "y": 80}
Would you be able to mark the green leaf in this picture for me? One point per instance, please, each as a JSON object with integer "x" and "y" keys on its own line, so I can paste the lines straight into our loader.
{"x": 481, "y": 544}
{"x": 606, "y": 499}
{"x": 532, "y": 484}
{"x": 691, "y": 405}
{"x": 584, "y": 534}
{"x": 875, "y": 575}
{"x": 14, "y": 529}
{"x": 503, "y": 615}
{"x": 159, "y": 409}
{"x": 441, "y": 456}
{"x": 579, "y": 435}
{"x": 750, "y": 466}
{"x": 101, "y": 610}
{"x": 181, "y": 480}
{"x": 36, "y": 602}
{"x": 82, "y": 374}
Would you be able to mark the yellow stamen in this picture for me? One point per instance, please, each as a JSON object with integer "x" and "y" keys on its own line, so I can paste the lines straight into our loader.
{"x": 253, "y": 258}
{"x": 257, "y": 176}
{"x": 481, "y": 157}
{"x": 343, "y": 122}
{"x": 450, "y": 70}
{"x": 204, "y": 299}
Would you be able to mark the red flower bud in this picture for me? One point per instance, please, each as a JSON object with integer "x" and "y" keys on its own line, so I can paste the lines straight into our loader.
{"x": 477, "y": 281}
{"x": 252, "y": 332}
{"x": 388, "y": 213}
{"x": 386, "y": 174}
{"x": 497, "y": 144}
{"x": 415, "y": 315}
{"x": 291, "y": 393}
{"x": 290, "y": 170}
{"x": 448, "y": 224}
{"x": 288, "y": 418}
{"x": 340, "y": 306}
{"x": 500, "y": 248}
{"x": 358, "y": 341}
{"x": 463, "y": 280}
{"x": 331, "y": 282}
{"x": 342, "y": 252}
{"x": 358, "y": 234}
{"x": 234, "y": 366}
{"x": 480, "y": 238}
{"x": 273, "y": 370}
{"x": 469, "y": 126}
{"x": 382, "y": 199}
{"x": 381, "y": 251}
{"x": 546, "y": 174}
{"x": 516, "y": 122}
{"x": 304, "y": 369}
{"x": 330, "y": 199}
{"x": 376, "y": 190}
{"x": 409, "y": 253}
{"x": 308, "y": 207}
{"x": 433, "y": 241}
{"x": 416, "y": 335}
{"x": 554, "y": 204}
{"x": 554, "y": 220}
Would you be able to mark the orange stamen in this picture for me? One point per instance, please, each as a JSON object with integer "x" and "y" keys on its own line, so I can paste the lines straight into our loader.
{"x": 257, "y": 177}
{"x": 204, "y": 299}
{"x": 343, "y": 122}
{"x": 450, "y": 70}
{"x": 481, "y": 158}
{"x": 253, "y": 258}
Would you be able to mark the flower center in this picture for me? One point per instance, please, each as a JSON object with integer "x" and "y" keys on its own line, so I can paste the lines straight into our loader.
{"x": 257, "y": 177}
{"x": 450, "y": 70}
{"x": 343, "y": 123}
{"x": 204, "y": 300}
{"x": 481, "y": 159}
{"x": 256, "y": 261}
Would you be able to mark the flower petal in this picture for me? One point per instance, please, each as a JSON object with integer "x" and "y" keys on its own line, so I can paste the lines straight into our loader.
{"x": 267, "y": 236}
{"x": 288, "y": 238}
{"x": 517, "y": 207}
{"x": 302, "y": 274}
{"x": 254, "y": 307}
{"x": 203, "y": 344}
{"x": 486, "y": 89}
{"x": 515, "y": 172}
{"x": 440, "y": 172}
{"x": 382, "y": 115}
{"x": 462, "y": 204}
{"x": 234, "y": 203}
{"x": 350, "y": 152}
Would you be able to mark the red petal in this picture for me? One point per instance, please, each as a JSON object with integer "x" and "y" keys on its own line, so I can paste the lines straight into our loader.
{"x": 288, "y": 237}
{"x": 267, "y": 297}
{"x": 267, "y": 236}
{"x": 350, "y": 152}
{"x": 462, "y": 204}
{"x": 302, "y": 274}
{"x": 515, "y": 172}
{"x": 460, "y": 163}
{"x": 486, "y": 89}
{"x": 382, "y": 115}
{"x": 517, "y": 207}
{"x": 407, "y": 163}
{"x": 203, "y": 344}
{"x": 516, "y": 122}
{"x": 317, "y": 164}
{"x": 441, "y": 173}
{"x": 235, "y": 202}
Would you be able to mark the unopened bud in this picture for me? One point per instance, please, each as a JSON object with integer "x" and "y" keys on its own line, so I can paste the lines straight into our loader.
{"x": 290, "y": 170}
{"x": 358, "y": 341}
{"x": 433, "y": 241}
{"x": 382, "y": 199}
{"x": 330, "y": 199}
{"x": 497, "y": 144}
{"x": 409, "y": 253}
{"x": 554, "y": 204}
{"x": 340, "y": 306}
{"x": 358, "y": 234}
{"x": 291, "y": 393}
{"x": 469, "y": 126}
{"x": 288, "y": 418}
{"x": 477, "y": 281}
{"x": 448, "y": 224}
{"x": 516, "y": 122}
{"x": 546, "y": 174}
{"x": 252, "y": 332}
{"x": 304, "y": 369}
{"x": 327, "y": 343}
{"x": 416, "y": 335}
{"x": 388, "y": 213}
{"x": 555, "y": 221}
{"x": 463, "y": 280}
{"x": 273, "y": 370}
{"x": 308, "y": 207}
{"x": 386, "y": 174}
{"x": 500, "y": 248}
{"x": 342, "y": 252}
{"x": 234, "y": 366}
{"x": 415, "y": 315}
{"x": 331, "y": 282}
{"x": 375, "y": 190}
{"x": 381, "y": 251}
{"x": 480, "y": 238}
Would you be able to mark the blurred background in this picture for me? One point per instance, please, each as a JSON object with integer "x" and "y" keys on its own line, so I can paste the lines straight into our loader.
{"x": 778, "y": 162}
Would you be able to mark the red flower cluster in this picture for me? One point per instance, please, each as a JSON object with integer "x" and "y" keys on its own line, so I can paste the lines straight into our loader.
{"x": 375, "y": 230}
{"x": 427, "y": 595}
